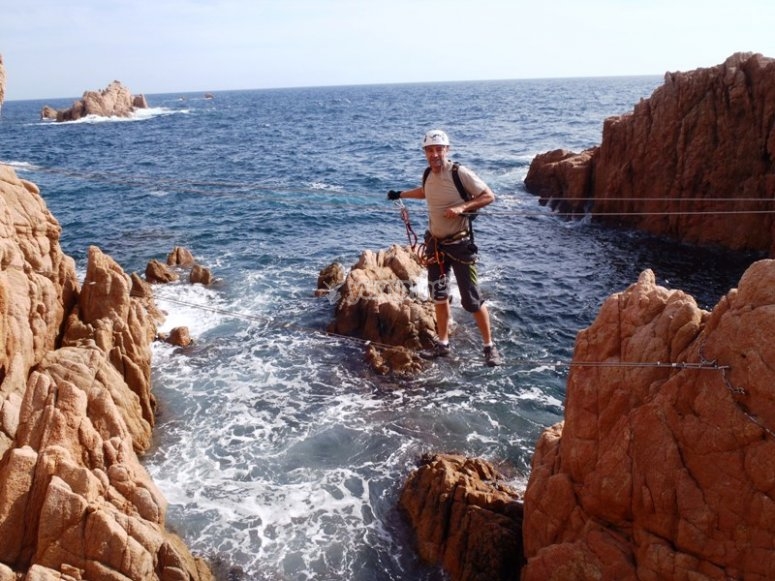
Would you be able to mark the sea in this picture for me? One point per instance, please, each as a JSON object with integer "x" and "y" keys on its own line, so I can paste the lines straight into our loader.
{"x": 281, "y": 453}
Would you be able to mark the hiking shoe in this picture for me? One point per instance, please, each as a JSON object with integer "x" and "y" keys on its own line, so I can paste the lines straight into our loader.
{"x": 437, "y": 350}
{"x": 491, "y": 356}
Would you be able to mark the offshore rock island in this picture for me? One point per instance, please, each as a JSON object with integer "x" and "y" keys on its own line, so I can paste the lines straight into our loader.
{"x": 115, "y": 100}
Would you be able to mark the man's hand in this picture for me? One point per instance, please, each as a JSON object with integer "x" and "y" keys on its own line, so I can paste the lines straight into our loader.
{"x": 454, "y": 211}
{"x": 393, "y": 195}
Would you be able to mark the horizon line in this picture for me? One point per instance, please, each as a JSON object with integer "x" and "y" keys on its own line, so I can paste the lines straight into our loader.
{"x": 344, "y": 85}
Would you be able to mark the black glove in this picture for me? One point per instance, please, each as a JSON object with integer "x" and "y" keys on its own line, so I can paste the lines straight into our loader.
{"x": 393, "y": 195}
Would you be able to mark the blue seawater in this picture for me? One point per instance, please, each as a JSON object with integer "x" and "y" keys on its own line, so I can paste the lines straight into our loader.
{"x": 279, "y": 451}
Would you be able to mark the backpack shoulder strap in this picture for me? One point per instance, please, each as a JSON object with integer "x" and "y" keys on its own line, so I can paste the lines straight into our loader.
{"x": 425, "y": 175}
{"x": 458, "y": 183}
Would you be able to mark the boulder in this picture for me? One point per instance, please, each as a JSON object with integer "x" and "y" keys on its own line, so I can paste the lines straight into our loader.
{"x": 115, "y": 100}
{"x": 179, "y": 336}
{"x": 663, "y": 467}
{"x": 158, "y": 272}
{"x": 200, "y": 275}
{"x": 180, "y": 256}
{"x": 376, "y": 304}
{"x": 330, "y": 279}
{"x": 465, "y": 518}
{"x": 695, "y": 161}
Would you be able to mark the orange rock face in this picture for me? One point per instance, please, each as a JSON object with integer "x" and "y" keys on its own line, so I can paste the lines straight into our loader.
{"x": 375, "y": 303}
{"x": 464, "y": 518}
{"x": 75, "y": 410}
{"x": 659, "y": 471}
{"x": 695, "y": 161}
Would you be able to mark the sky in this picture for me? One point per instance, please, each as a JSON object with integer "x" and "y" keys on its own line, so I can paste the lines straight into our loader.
{"x": 53, "y": 49}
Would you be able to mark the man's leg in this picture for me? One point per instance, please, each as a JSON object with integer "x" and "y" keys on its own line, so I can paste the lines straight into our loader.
{"x": 482, "y": 318}
{"x": 442, "y": 321}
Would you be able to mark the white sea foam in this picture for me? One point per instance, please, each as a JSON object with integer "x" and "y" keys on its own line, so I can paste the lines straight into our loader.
{"x": 194, "y": 306}
{"x": 325, "y": 187}
{"x": 536, "y": 394}
{"x": 137, "y": 115}
{"x": 20, "y": 165}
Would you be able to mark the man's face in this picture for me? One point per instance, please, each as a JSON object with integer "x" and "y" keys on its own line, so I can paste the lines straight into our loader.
{"x": 436, "y": 156}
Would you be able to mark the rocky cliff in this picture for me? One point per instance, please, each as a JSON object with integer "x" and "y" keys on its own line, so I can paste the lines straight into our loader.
{"x": 662, "y": 471}
{"x": 695, "y": 161}
{"x": 76, "y": 409}
{"x": 115, "y": 100}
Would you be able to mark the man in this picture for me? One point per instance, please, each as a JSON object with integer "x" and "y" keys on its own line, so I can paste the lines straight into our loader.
{"x": 448, "y": 242}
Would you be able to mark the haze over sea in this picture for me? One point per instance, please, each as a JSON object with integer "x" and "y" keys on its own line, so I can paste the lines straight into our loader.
{"x": 279, "y": 451}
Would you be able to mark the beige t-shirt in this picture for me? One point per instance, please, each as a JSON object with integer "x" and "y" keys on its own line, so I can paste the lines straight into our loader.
{"x": 441, "y": 193}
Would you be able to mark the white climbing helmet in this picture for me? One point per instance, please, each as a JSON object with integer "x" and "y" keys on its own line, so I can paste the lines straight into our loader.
{"x": 435, "y": 137}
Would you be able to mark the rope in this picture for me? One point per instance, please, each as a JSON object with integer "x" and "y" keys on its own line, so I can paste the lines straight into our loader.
{"x": 418, "y": 248}
{"x": 702, "y": 365}
{"x": 244, "y": 188}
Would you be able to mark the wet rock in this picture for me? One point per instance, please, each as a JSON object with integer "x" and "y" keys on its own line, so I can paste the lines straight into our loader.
{"x": 180, "y": 256}
{"x": 200, "y": 275}
{"x": 329, "y": 279}
{"x": 376, "y": 303}
{"x": 179, "y": 336}
{"x": 157, "y": 272}
{"x": 465, "y": 518}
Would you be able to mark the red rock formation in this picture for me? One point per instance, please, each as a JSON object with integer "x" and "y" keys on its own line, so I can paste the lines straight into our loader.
{"x": 115, "y": 100}
{"x": 75, "y": 410}
{"x": 703, "y": 135}
{"x": 158, "y": 272}
{"x": 180, "y": 256}
{"x": 661, "y": 472}
{"x": 464, "y": 517}
{"x": 375, "y": 304}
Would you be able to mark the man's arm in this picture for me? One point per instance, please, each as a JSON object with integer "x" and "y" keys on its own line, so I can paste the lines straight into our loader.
{"x": 416, "y": 193}
{"x": 485, "y": 198}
